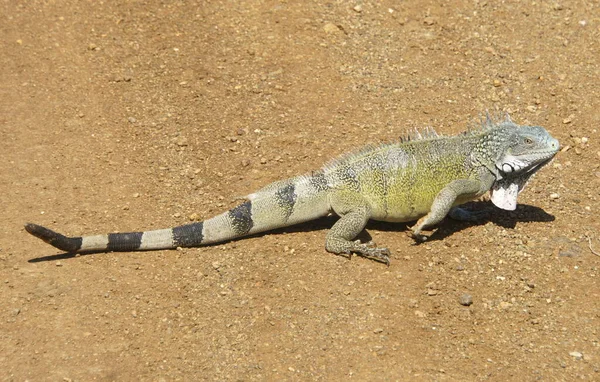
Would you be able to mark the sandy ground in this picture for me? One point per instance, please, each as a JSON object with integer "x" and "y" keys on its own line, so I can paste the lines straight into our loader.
{"x": 120, "y": 116}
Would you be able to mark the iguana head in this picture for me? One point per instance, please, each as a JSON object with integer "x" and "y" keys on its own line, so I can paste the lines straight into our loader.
{"x": 514, "y": 153}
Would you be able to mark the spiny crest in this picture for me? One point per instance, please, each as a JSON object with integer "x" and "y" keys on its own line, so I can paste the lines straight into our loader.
{"x": 488, "y": 121}
{"x": 416, "y": 135}
{"x": 352, "y": 155}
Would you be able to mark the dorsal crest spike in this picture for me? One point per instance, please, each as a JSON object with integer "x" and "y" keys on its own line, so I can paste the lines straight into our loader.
{"x": 489, "y": 120}
{"x": 418, "y": 135}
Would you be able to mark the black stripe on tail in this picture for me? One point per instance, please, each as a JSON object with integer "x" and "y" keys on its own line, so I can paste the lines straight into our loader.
{"x": 124, "y": 242}
{"x": 67, "y": 244}
{"x": 189, "y": 235}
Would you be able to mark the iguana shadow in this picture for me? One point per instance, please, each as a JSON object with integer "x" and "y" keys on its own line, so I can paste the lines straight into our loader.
{"x": 506, "y": 219}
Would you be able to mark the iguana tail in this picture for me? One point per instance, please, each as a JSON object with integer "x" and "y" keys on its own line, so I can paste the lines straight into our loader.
{"x": 279, "y": 204}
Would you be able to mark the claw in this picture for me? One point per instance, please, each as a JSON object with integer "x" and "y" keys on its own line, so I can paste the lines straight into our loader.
{"x": 417, "y": 237}
{"x": 371, "y": 251}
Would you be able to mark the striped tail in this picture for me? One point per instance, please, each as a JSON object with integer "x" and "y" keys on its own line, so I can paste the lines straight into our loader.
{"x": 279, "y": 204}
{"x": 189, "y": 235}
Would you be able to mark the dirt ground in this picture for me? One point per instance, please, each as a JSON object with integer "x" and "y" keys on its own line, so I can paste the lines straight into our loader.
{"x": 120, "y": 116}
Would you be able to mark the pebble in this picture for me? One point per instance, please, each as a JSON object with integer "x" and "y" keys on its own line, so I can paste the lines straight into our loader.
{"x": 465, "y": 299}
{"x": 554, "y": 196}
{"x": 331, "y": 28}
{"x": 358, "y": 8}
{"x": 181, "y": 141}
{"x": 378, "y": 330}
{"x": 429, "y": 20}
{"x": 577, "y": 355}
{"x": 132, "y": 120}
{"x": 568, "y": 120}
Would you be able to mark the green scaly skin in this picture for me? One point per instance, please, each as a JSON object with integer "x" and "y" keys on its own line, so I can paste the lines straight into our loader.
{"x": 424, "y": 178}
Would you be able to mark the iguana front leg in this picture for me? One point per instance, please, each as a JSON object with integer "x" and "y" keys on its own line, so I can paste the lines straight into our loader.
{"x": 354, "y": 214}
{"x": 465, "y": 189}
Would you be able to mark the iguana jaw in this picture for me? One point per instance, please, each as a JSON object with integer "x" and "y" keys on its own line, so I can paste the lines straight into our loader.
{"x": 506, "y": 188}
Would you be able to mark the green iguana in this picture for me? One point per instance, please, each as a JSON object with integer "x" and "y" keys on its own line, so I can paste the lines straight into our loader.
{"x": 424, "y": 176}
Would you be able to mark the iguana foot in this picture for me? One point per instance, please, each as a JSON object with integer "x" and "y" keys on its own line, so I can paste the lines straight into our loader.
{"x": 418, "y": 237}
{"x": 369, "y": 250}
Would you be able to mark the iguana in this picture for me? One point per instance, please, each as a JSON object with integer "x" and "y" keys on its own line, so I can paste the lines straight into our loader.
{"x": 424, "y": 176}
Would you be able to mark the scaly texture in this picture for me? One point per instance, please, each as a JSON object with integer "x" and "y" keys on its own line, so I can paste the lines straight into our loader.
{"x": 420, "y": 177}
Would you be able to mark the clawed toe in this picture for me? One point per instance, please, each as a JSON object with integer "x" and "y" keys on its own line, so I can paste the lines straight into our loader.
{"x": 371, "y": 251}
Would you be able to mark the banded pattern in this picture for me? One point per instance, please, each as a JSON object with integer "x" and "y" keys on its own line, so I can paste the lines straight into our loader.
{"x": 423, "y": 175}
{"x": 273, "y": 206}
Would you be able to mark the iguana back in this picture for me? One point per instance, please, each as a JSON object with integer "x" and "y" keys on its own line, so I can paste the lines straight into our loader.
{"x": 424, "y": 176}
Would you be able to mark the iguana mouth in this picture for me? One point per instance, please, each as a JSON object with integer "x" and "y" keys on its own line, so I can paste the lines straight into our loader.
{"x": 505, "y": 190}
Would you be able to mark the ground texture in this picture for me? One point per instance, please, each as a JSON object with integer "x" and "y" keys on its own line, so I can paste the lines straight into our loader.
{"x": 119, "y": 116}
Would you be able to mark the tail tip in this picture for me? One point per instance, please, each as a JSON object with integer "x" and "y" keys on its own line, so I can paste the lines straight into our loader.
{"x": 40, "y": 232}
{"x": 55, "y": 239}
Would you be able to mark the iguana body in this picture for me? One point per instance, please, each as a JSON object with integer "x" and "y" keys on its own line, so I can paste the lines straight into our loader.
{"x": 422, "y": 177}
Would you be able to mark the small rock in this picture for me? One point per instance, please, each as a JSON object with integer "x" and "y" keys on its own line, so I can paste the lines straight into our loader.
{"x": 429, "y": 20}
{"x": 554, "y": 196}
{"x": 181, "y": 141}
{"x": 132, "y": 120}
{"x": 569, "y": 119}
{"x": 357, "y": 8}
{"x": 466, "y": 299}
{"x": 378, "y": 330}
{"x": 577, "y": 355}
{"x": 58, "y": 264}
{"x": 331, "y": 28}
{"x": 194, "y": 217}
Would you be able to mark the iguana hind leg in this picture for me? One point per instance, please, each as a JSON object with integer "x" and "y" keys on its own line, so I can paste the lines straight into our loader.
{"x": 354, "y": 214}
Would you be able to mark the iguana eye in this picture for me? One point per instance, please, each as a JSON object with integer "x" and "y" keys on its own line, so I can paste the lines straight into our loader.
{"x": 528, "y": 141}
